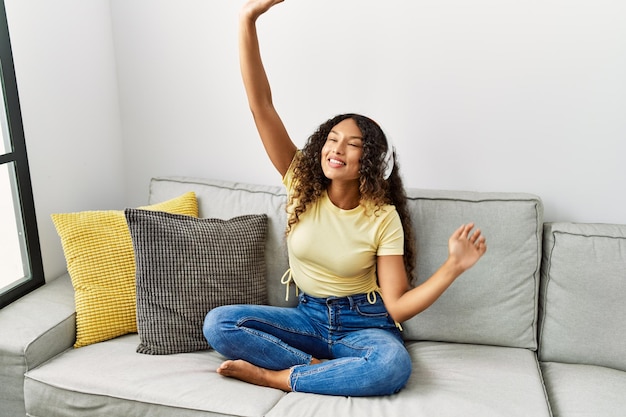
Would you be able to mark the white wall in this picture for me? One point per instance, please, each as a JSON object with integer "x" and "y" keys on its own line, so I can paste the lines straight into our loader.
{"x": 65, "y": 69}
{"x": 494, "y": 95}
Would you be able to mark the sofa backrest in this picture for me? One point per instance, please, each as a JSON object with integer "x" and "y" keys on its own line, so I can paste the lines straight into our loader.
{"x": 583, "y": 295}
{"x": 493, "y": 303}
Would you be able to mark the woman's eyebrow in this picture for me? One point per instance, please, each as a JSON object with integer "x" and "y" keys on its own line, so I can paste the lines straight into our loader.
{"x": 349, "y": 137}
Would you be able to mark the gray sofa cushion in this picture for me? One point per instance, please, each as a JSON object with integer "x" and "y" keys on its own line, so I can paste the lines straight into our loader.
{"x": 111, "y": 379}
{"x": 225, "y": 199}
{"x": 495, "y": 302}
{"x": 448, "y": 380}
{"x": 585, "y": 390}
{"x": 187, "y": 266}
{"x": 583, "y": 294}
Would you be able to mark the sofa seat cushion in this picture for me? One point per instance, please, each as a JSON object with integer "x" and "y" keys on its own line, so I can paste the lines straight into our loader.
{"x": 111, "y": 379}
{"x": 576, "y": 390}
{"x": 448, "y": 380}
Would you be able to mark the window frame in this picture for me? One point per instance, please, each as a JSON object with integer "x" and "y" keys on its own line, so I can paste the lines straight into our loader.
{"x": 18, "y": 156}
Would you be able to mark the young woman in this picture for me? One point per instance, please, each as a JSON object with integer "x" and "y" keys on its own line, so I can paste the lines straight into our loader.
{"x": 351, "y": 253}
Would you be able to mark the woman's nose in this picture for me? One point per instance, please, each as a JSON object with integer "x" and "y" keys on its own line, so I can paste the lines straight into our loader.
{"x": 337, "y": 149}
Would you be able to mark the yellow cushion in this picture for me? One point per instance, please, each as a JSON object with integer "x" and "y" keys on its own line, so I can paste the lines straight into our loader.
{"x": 101, "y": 263}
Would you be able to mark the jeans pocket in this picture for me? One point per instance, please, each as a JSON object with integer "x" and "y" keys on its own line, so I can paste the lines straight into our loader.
{"x": 366, "y": 309}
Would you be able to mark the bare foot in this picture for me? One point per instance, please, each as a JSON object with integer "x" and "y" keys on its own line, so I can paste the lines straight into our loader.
{"x": 245, "y": 371}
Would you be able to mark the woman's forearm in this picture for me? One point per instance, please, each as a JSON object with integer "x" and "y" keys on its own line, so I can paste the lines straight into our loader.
{"x": 423, "y": 296}
{"x": 252, "y": 70}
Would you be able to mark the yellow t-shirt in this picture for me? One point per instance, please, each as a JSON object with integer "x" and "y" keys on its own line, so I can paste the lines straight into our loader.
{"x": 332, "y": 252}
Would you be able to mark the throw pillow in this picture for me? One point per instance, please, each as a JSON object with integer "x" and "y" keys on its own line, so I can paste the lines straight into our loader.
{"x": 101, "y": 263}
{"x": 186, "y": 267}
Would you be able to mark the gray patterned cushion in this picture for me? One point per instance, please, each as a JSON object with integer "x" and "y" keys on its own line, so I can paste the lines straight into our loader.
{"x": 187, "y": 266}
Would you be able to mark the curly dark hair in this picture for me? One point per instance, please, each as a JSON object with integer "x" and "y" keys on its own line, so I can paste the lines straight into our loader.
{"x": 310, "y": 181}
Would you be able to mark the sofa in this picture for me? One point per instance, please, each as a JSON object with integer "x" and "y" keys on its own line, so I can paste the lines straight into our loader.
{"x": 537, "y": 328}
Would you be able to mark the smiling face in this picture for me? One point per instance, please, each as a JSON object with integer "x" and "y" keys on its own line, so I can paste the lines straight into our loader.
{"x": 342, "y": 152}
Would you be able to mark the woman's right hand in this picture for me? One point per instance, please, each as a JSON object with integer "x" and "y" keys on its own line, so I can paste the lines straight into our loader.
{"x": 255, "y": 8}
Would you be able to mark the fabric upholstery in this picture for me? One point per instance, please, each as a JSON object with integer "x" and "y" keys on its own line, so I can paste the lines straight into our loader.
{"x": 111, "y": 379}
{"x": 448, "y": 380}
{"x": 584, "y": 390}
{"x": 187, "y": 266}
{"x": 495, "y": 302}
{"x": 583, "y": 292}
{"x": 37, "y": 327}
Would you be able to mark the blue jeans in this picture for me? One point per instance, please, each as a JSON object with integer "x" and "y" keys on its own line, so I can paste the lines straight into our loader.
{"x": 365, "y": 352}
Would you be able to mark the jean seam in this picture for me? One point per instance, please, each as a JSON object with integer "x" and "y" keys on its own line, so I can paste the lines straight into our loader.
{"x": 368, "y": 350}
{"x": 277, "y": 341}
{"x": 241, "y": 324}
{"x": 296, "y": 352}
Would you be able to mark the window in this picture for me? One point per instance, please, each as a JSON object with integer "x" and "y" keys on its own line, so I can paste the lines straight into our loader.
{"x": 21, "y": 269}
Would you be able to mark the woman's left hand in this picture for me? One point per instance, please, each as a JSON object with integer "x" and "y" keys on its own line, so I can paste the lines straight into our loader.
{"x": 466, "y": 248}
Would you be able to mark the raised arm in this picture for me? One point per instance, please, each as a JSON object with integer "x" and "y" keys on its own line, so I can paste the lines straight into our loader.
{"x": 278, "y": 145}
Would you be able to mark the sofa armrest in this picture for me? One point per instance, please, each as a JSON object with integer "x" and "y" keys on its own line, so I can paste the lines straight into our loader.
{"x": 34, "y": 329}
{"x": 42, "y": 324}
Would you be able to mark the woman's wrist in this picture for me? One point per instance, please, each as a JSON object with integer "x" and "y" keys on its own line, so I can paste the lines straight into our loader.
{"x": 249, "y": 13}
{"x": 453, "y": 266}
{"x": 247, "y": 16}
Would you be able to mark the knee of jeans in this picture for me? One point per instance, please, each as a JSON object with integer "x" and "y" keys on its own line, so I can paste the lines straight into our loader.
{"x": 406, "y": 368}
{"x": 216, "y": 323}
{"x": 396, "y": 371}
